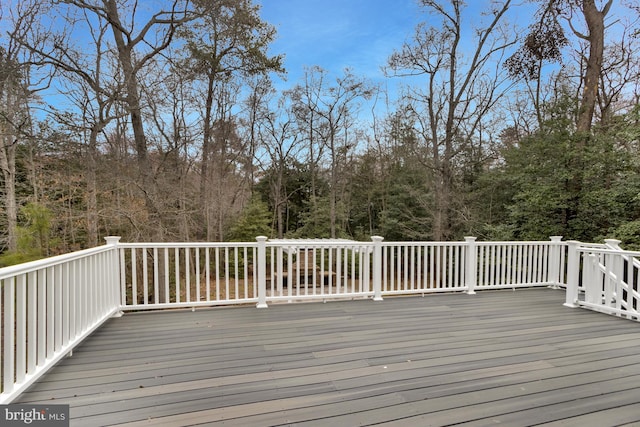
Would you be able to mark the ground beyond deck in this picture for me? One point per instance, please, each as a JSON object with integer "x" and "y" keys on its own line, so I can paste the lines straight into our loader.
{"x": 504, "y": 357}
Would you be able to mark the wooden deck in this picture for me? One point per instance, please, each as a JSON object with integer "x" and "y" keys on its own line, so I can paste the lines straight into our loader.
{"x": 504, "y": 357}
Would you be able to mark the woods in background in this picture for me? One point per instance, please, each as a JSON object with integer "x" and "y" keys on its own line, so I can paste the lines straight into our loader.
{"x": 160, "y": 121}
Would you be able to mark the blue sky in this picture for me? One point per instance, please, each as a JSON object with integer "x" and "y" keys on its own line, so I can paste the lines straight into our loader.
{"x": 335, "y": 34}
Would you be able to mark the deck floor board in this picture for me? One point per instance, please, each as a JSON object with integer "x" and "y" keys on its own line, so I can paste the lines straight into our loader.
{"x": 515, "y": 358}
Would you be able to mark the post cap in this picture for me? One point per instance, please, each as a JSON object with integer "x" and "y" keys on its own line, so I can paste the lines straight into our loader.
{"x": 112, "y": 240}
{"x": 613, "y": 242}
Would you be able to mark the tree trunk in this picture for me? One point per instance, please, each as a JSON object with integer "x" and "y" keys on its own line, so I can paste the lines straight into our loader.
{"x": 443, "y": 190}
{"x": 92, "y": 197}
{"x": 8, "y": 165}
{"x": 204, "y": 167}
{"x": 132, "y": 99}
{"x": 10, "y": 94}
{"x": 595, "y": 24}
{"x": 333, "y": 189}
{"x": 279, "y": 203}
{"x": 9, "y": 143}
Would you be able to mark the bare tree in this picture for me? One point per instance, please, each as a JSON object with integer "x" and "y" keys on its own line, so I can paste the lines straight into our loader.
{"x": 547, "y": 37}
{"x": 281, "y": 142}
{"x": 305, "y": 99}
{"x": 338, "y": 107}
{"x": 325, "y": 115}
{"x": 228, "y": 40}
{"x": 619, "y": 77}
{"x": 17, "y": 89}
{"x": 461, "y": 87}
{"x": 227, "y": 190}
{"x": 136, "y": 46}
{"x": 174, "y": 138}
{"x": 594, "y": 19}
{"x": 89, "y": 78}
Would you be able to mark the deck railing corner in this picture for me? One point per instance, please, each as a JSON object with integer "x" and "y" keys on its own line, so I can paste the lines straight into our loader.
{"x": 115, "y": 273}
{"x": 48, "y": 307}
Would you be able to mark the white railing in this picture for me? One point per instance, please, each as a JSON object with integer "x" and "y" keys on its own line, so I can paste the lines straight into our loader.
{"x": 319, "y": 269}
{"x": 48, "y": 307}
{"x": 424, "y": 267}
{"x": 171, "y": 275}
{"x": 520, "y": 264}
{"x": 468, "y": 266}
{"x": 604, "y": 278}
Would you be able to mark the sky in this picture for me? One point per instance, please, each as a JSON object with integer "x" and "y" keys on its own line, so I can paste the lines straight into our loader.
{"x": 334, "y": 34}
{"x": 360, "y": 34}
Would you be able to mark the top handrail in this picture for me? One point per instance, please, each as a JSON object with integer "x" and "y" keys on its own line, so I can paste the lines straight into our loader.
{"x": 521, "y": 242}
{"x": 594, "y": 246}
{"x": 174, "y": 245}
{"x": 331, "y": 243}
{"x": 615, "y": 244}
{"x": 607, "y": 250}
{"x": 27, "y": 267}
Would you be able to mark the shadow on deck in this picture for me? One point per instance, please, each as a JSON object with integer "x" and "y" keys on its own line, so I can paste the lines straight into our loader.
{"x": 515, "y": 358}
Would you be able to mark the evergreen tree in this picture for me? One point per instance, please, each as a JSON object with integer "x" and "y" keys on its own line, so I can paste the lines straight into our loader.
{"x": 254, "y": 221}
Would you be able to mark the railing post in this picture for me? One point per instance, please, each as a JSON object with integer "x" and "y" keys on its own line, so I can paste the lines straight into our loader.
{"x": 573, "y": 270}
{"x": 591, "y": 280}
{"x": 114, "y": 272}
{"x": 471, "y": 267}
{"x": 617, "y": 268}
{"x": 554, "y": 262}
{"x": 377, "y": 267}
{"x": 262, "y": 272}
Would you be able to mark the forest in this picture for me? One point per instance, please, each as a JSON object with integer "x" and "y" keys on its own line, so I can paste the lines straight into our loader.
{"x": 162, "y": 121}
